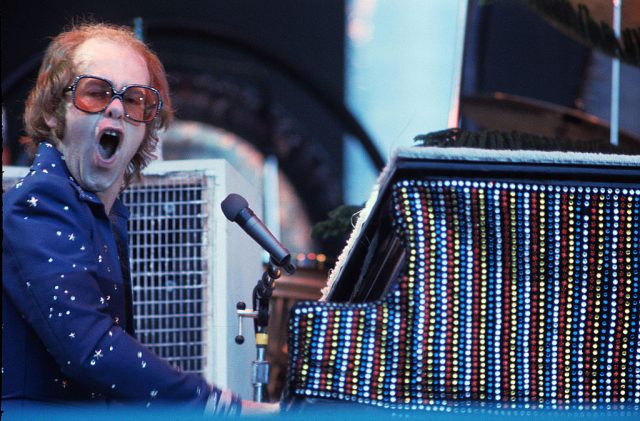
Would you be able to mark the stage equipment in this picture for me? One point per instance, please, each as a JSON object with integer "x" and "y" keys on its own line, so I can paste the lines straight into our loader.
{"x": 512, "y": 112}
{"x": 482, "y": 278}
{"x": 236, "y": 209}
{"x": 597, "y": 23}
{"x": 613, "y": 26}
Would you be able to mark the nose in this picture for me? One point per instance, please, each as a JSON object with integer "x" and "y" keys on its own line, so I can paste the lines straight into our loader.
{"x": 115, "y": 108}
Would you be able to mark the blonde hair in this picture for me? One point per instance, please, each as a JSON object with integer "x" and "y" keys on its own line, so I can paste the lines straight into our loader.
{"x": 57, "y": 73}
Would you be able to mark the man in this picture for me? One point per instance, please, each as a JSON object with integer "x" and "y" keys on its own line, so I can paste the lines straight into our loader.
{"x": 99, "y": 100}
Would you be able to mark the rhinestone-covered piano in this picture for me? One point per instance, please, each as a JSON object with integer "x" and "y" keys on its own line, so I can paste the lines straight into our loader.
{"x": 480, "y": 277}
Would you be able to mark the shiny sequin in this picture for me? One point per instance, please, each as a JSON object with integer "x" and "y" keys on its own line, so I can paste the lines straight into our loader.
{"x": 511, "y": 293}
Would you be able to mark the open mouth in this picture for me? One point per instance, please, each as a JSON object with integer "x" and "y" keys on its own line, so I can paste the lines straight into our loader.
{"x": 108, "y": 143}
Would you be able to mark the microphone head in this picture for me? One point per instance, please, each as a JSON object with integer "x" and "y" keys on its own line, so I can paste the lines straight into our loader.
{"x": 232, "y": 205}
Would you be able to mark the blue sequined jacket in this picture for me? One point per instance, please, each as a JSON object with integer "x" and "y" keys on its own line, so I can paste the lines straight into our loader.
{"x": 63, "y": 300}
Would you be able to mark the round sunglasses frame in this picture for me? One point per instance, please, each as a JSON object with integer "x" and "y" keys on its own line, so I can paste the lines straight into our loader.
{"x": 115, "y": 94}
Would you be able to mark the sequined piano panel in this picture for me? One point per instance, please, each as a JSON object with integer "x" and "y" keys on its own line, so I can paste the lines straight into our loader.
{"x": 485, "y": 277}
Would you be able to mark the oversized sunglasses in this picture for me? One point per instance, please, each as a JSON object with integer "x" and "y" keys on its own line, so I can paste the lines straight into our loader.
{"x": 93, "y": 94}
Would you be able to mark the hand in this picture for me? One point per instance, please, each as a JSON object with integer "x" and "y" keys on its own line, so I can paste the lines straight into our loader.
{"x": 260, "y": 408}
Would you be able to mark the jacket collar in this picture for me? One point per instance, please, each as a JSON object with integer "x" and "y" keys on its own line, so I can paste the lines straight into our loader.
{"x": 49, "y": 160}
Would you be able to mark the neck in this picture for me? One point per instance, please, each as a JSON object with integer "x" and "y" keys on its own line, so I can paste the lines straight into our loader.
{"x": 109, "y": 196}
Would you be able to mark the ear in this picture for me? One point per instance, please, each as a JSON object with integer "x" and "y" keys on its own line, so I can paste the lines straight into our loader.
{"x": 51, "y": 120}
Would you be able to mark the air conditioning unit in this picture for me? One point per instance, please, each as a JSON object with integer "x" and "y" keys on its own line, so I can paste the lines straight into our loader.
{"x": 190, "y": 266}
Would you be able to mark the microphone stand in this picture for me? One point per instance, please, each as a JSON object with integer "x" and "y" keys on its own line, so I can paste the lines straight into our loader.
{"x": 261, "y": 295}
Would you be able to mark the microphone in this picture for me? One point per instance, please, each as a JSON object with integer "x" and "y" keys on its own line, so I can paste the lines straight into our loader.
{"x": 236, "y": 209}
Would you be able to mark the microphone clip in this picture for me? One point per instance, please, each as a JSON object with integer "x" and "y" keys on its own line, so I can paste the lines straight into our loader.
{"x": 274, "y": 267}
{"x": 264, "y": 290}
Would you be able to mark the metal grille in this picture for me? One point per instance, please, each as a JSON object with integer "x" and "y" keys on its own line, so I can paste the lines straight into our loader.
{"x": 168, "y": 248}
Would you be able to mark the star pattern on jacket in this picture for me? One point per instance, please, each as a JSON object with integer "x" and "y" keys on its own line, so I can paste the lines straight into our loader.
{"x": 33, "y": 201}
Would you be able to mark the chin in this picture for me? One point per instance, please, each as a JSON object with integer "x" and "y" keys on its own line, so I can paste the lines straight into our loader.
{"x": 98, "y": 184}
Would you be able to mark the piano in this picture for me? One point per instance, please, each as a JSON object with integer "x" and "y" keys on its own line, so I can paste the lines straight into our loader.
{"x": 481, "y": 278}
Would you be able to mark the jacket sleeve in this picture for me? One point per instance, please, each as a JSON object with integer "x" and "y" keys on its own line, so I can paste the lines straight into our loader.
{"x": 48, "y": 238}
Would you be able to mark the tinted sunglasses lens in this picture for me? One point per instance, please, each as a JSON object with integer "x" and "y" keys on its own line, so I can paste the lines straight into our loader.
{"x": 92, "y": 95}
{"x": 140, "y": 103}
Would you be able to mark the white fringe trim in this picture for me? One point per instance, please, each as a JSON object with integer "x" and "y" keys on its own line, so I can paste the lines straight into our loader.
{"x": 520, "y": 156}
